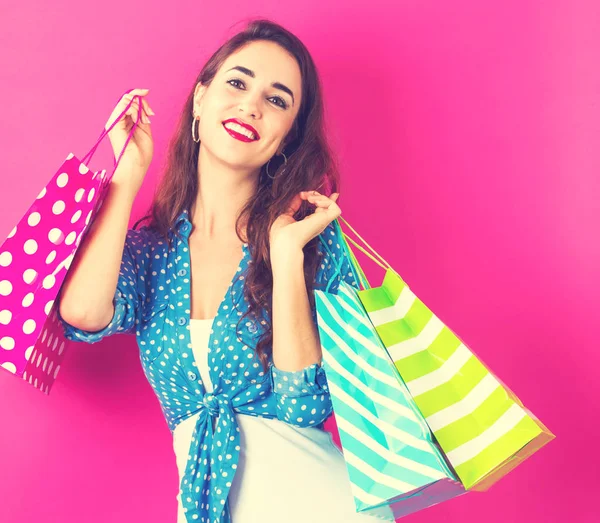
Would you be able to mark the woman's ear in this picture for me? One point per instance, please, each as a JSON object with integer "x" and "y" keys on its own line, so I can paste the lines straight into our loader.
{"x": 198, "y": 95}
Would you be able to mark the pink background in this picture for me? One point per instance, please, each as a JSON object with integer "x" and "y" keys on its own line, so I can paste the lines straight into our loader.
{"x": 469, "y": 136}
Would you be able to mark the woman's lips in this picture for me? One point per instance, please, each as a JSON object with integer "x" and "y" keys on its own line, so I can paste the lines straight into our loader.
{"x": 238, "y": 136}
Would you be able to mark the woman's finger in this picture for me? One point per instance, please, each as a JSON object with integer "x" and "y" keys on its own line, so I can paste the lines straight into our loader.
{"x": 147, "y": 110}
{"x": 134, "y": 109}
{"x": 316, "y": 194}
{"x": 322, "y": 201}
{"x": 142, "y": 92}
{"x": 147, "y": 107}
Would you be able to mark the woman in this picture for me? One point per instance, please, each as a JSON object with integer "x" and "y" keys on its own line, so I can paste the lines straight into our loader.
{"x": 218, "y": 288}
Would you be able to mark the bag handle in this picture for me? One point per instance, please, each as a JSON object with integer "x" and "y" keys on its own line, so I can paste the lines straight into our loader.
{"x": 357, "y": 270}
{"x": 385, "y": 264}
{"x": 88, "y": 157}
{"x": 354, "y": 262}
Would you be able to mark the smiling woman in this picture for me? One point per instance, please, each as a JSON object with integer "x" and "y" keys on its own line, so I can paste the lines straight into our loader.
{"x": 219, "y": 290}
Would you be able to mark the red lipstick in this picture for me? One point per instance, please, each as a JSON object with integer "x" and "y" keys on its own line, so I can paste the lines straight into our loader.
{"x": 240, "y": 136}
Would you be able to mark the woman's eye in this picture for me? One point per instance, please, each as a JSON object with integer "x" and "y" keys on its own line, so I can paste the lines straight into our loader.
{"x": 282, "y": 103}
{"x": 239, "y": 81}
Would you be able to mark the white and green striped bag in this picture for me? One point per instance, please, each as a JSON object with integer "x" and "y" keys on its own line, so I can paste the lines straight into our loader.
{"x": 483, "y": 428}
{"x": 393, "y": 464}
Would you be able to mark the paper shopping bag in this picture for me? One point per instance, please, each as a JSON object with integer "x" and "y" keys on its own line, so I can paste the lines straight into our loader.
{"x": 34, "y": 260}
{"x": 393, "y": 464}
{"x": 483, "y": 428}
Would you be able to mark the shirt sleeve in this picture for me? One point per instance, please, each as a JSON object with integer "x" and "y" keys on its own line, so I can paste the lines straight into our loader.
{"x": 303, "y": 397}
{"x": 127, "y": 299}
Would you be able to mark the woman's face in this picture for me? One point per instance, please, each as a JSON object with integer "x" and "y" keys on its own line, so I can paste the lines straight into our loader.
{"x": 257, "y": 95}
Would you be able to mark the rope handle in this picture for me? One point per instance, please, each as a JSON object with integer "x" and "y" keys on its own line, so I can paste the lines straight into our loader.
{"x": 354, "y": 262}
{"x": 383, "y": 266}
{"x": 357, "y": 270}
{"x": 88, "y": 157}
{"x": 387, "y": 265}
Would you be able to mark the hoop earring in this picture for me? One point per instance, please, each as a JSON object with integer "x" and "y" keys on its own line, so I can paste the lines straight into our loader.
{"x": 285, "y": 163}
{"x": 196, "y": 119}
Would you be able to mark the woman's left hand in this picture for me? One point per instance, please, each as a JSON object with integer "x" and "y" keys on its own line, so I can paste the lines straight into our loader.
{"x": 287, "y": 233}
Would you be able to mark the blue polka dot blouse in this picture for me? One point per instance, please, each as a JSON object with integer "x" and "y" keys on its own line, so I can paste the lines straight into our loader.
{"x": 152, "y": 300}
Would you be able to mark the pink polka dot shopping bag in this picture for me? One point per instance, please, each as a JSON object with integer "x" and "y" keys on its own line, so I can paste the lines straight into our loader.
{"x": 34, "y": 260}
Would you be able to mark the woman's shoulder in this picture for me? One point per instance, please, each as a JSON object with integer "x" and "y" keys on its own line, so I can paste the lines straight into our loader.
{"x": 144, "y": 240}
{"x": 146, "y": 252}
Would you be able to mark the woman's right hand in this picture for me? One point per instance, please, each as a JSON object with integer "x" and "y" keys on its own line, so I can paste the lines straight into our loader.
{"x": 140, "y": 149}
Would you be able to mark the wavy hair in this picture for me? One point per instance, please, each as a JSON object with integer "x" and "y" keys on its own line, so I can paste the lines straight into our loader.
{"x": 311, "y": 165}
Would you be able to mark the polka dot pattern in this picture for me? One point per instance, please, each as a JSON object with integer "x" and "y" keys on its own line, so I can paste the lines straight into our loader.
{"x": 34, "y": 260}
{"x": 152, "y": 300}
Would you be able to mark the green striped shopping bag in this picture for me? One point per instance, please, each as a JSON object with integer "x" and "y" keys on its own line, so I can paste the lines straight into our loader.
{"x": 483, "y": 428}
{"x": 393, "y": 464}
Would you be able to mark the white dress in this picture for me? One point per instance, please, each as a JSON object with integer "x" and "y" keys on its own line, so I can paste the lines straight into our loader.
{"x": 285, "y": 473}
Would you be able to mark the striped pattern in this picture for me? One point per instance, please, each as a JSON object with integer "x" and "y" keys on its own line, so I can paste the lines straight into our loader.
{"x": 479, "y": 423}
{"x": 387, "y": 444}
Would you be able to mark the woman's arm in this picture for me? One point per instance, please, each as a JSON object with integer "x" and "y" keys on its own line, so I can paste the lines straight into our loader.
{"x": 297, "y": 378}
{"x": 296, "y": 342}
{"x": 86, "y": 296}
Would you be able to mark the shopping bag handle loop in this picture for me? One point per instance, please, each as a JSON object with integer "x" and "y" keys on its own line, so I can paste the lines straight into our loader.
{"x": 88, "y": 157}
{"x": 385, "y": 265}
{"x": 357, "y": 271}
{"x": 367, "y": 253}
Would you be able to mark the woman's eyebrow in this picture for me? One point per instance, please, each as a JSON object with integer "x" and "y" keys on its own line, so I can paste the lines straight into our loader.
{"x": 277, "y": 85}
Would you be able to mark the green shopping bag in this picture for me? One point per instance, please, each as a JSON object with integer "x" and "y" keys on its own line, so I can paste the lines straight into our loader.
{"x": 482, "y": 427}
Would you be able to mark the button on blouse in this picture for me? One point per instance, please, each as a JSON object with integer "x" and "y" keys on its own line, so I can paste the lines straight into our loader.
{"x": 152, "y": 301}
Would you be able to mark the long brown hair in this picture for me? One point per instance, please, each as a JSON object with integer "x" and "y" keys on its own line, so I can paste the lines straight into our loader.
{"x": 311, "y": 165}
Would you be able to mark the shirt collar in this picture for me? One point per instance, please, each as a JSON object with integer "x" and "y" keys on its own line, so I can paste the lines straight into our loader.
{"x": 184, "y": 224}
{"x": 182, "y": 219}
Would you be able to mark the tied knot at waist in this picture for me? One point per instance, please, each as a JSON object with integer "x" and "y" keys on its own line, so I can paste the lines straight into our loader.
{"x": 211, "y": 402}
